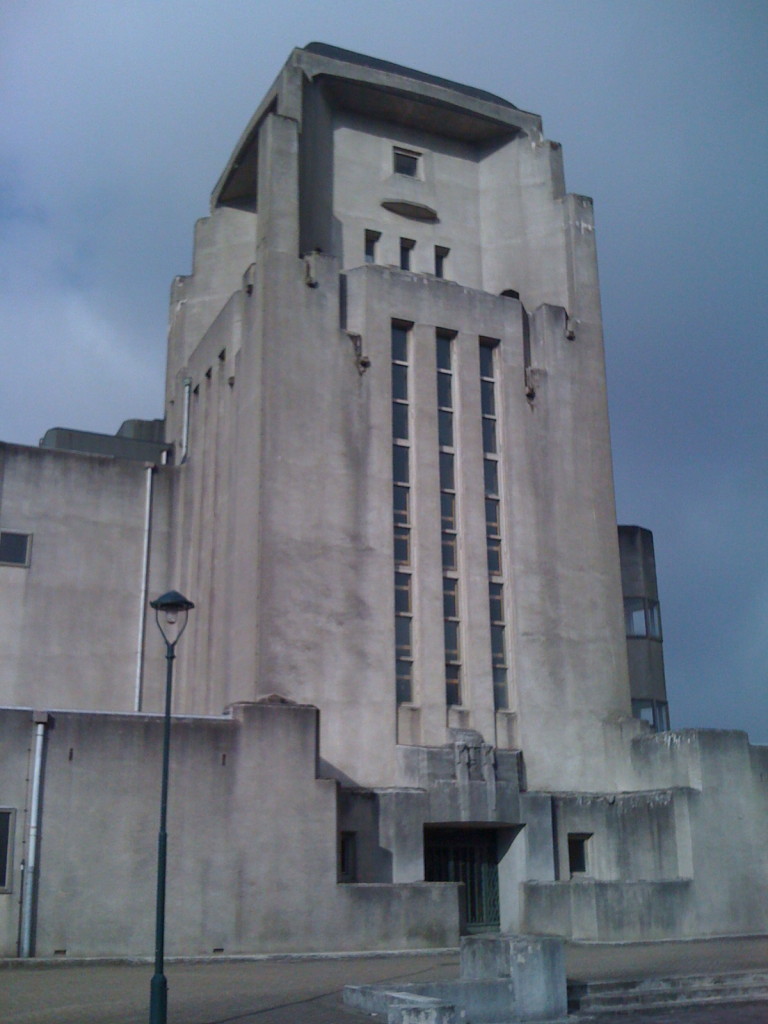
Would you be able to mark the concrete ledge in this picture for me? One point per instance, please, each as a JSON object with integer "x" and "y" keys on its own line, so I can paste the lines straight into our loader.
{"x": 401, "y": 1005}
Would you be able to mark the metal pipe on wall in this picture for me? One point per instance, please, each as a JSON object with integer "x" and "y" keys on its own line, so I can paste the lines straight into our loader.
{"x": 185, "y": 421}
{"x": 139, "y": 687}
{"x": 29, "y": 892}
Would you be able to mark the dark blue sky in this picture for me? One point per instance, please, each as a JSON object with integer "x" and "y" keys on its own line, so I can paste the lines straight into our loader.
{"x": 118, "y": 118}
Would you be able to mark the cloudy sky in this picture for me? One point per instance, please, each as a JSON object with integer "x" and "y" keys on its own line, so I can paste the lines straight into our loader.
{"x": 118, "y": 116}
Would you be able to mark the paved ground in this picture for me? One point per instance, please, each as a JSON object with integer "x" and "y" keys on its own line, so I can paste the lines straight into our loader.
{"x": 308, "y": 991}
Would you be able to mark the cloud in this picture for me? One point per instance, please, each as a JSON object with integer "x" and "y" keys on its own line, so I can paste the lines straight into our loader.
{"x": 117, "y": 119}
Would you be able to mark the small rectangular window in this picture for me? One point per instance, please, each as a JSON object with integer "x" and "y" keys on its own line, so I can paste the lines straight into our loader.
{"x": 407, "y": 246}
{"x": 634, "y": 616}
{"x": 577, "y": 852}
{"x": 441, "y": 255}
{"x": 654, "y": 712}
{"x": 7, "y": 818}
{"x": 406, "y": 161}
{"x": 14, "y": 548}
{"x": 371, "y": 238}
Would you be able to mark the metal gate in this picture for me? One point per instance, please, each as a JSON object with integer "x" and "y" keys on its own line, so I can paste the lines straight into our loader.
{"x": 469, "y": 856}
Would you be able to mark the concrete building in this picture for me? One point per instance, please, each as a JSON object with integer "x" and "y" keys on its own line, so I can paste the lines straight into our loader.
{"x": 385, "y": 481}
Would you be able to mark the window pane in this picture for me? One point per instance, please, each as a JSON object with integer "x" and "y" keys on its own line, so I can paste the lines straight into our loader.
{"x": 447, "y": 482}
{"x": 492, "y": 516}
{"x": 400, "y": 344}
{"x": 495, "y": 599}
{"x": 402, "y": 592}
{"x": 404, "y": 688}
{"x": 403, "y": 635}
{"x": 447, "y": 511}
{"x": 486, "y": 361}
{"x": 654, "y": 620}
{"x": 451, "y": 640}
{"x": 406, "y": 163}
{"x": 500, "y": 695}
{"x": 444, "y": 399}
{"x": 400, "y": 420}
{"x": 491, "y": 473}
{"x": 400, "y": 502}
{"x": 13, "y": 547}
{"x": 400, "y": 382}
{"x": 487, "y": 398}
{"x": 643, "y": 709}
{"x": 444, "y": 352}
{"x": 497, "y": 645}
{"x": 452, "y": 688}
{"x": 399, "y": 464}
{"x": 634, "y": 616}
{"x": 489, "y": 435}
{"x": 494, "y": 557}
{"x": 445, "y": 428}
{"x": 402, "y": 545}
{"x": 449, "y": 550}
{"x": 450, "y": 595}
{"x": 405, "y": 256}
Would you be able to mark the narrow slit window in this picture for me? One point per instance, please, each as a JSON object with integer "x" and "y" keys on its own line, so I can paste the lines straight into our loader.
{"x": 493, "y": 522}
{"x": 401, "y": 513}
{"x": 371, "y": 241}
{"x": 7, "y": 817}
{"x": 407, "y": 245}
{"x": 444, "y": 342}
{"x": 578, "y": 863}
{"x": 347, "y": 857}
{"x": 441, "y": 256}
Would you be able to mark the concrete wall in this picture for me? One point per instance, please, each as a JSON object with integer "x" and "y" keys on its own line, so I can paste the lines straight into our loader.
{"x": 290, "y": 444}
{"x": 243, "y": 875}
{"x": 686, "y": 860}
{"x": 71, "y": 621}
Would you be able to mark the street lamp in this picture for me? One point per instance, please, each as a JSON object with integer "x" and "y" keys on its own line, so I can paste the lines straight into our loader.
{"x": 171, "y": 611}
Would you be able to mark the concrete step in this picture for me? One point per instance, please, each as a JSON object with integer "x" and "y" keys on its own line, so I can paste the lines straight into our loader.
{"x": 663, "y": 993}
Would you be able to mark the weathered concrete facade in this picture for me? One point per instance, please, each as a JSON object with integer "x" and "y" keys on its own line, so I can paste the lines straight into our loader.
{"x": 390, "y": 498}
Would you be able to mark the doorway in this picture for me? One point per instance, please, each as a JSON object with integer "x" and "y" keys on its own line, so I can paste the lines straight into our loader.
{"x": 468, "y": 855}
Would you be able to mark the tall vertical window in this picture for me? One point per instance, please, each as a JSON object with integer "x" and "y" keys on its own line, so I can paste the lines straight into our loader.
{"x": 401, "y": 513}
{"x": 6, "y": 848}
{"x": 441, "y": 255}
{"x": 371, "y": 240}
{"x": 407, "y": 246}
{"x": 488, "y": 390}
{"x": 448, "y": 516}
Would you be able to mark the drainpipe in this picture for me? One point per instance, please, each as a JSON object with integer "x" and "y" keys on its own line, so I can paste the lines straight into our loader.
{"x": 185, "y": 422}
{"x": 139, "y": 688}
{"x": 29, "y": 893}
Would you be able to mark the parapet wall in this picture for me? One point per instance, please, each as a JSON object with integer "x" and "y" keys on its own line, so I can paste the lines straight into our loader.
{"x": 252, "y": 847}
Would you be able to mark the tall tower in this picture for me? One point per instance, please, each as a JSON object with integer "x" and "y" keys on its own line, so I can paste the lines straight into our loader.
{"x": 385, "y": 374}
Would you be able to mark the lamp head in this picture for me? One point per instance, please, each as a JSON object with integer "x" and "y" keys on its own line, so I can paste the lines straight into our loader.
{"x": 171, "y": 612}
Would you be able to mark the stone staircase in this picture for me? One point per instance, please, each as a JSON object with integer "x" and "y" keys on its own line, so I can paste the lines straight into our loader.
{"x": 625, "y": 996}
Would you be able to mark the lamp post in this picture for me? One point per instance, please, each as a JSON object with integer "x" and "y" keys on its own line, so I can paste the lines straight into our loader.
{"x": 171, "y": 611}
